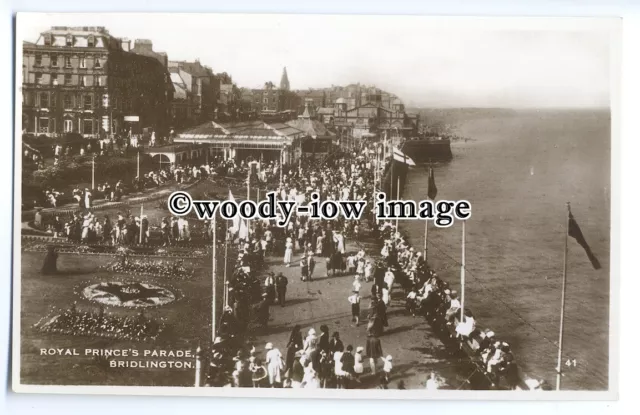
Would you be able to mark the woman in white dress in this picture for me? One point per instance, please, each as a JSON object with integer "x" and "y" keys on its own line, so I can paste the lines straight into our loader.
{"x": 275, "y": 366}
{"x": 310, "y": 380}
{"x": 288, "y": 252}
{"x": 358, "y": 366}
{"x": 466, "y": 327}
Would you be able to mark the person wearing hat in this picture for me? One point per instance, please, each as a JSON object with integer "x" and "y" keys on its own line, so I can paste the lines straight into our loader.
{"x": 374, "y": 351}
{"x": 304, "y": 269}
{"x": 50, "y": 265}
{"x": 348, "y": 367}
{"x": 296, "y": 371}
{"x": 486, "y": 341}
{"x": 311, "y": 263}
{"x": 270, "y": 287}
{"x": 386, "y": 372}
{"x": 310, "y": 342}
{"x": 281, "y": 283}
{"x": 454, "y": 307}
{"x": 432, "y": 383}
{"x": 263, "y": 311}
{"x": 354, "y": 300}
{"x": 335, "y": 344}
{"x": 288, "y": 252}
{"x": 145, "y": 229}
{"x": 275, "y": 365}
{"x": 358, "y": 365}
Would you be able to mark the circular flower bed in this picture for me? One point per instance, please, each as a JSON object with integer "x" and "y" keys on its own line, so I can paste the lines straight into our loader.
{"x": 131, "y": 295}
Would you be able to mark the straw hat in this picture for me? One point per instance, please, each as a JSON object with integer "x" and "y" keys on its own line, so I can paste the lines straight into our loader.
{"x": 360, "y": 349}
{"x": 312, "y": 332}
{"x": 269, "y": 346}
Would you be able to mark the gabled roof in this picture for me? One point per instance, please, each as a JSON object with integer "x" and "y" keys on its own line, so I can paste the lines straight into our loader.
{"x": 312, "y": 128}
{"x": 252, "y": 130}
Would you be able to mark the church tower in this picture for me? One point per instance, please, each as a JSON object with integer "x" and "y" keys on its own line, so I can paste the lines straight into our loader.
{"x": 284, "y": 81}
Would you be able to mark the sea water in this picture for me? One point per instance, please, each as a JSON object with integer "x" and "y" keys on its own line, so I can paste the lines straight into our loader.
{"x": 518, "y": 170}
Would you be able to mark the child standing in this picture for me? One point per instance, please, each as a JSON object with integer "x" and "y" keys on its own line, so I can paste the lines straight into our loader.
{"x": 386, "y": 372}
{"x": 354, "y": 299}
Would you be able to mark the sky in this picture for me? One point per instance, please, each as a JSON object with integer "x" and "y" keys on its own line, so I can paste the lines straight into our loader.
{"x": 427, "y": 62}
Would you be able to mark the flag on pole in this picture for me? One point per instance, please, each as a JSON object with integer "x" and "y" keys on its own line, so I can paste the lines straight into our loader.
{"x": 236, "y": 220}
{"x": 576, "y": 233}
{"x": 244, "y": 231}
{"x": 400, "y": 156}
{"x": 432, "y": 189}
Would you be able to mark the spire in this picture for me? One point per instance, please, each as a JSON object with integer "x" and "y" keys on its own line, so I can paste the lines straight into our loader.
{"x": 284, "y": 81}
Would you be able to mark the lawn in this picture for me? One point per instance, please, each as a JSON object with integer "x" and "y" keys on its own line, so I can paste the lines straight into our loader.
{"x": 187, "y": 322}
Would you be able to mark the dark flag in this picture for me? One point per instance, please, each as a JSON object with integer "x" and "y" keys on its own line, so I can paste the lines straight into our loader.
{"x": 433, "y": 190}
{"x": 576, "y": 233}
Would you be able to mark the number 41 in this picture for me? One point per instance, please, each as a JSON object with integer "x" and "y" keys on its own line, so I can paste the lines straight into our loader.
{"x": 570, "y": 363}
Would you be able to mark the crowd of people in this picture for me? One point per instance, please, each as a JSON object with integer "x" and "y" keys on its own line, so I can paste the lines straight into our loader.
{"x": 400, "y": 267}
{"x": 312, "y": 360}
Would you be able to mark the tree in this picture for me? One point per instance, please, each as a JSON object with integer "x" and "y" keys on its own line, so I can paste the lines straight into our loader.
{"x": 225, "y": 78}
{"x": 269, "y": 85}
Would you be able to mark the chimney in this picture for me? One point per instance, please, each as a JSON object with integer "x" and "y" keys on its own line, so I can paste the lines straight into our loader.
{"x": 126, "y": 44}
{"x": 143, "y": 45}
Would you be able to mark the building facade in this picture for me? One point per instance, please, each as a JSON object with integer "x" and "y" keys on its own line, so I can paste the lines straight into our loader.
{"x": 84, "y": 80}
{"x": 197, "y": 93}
{"x": 247, "y": 140}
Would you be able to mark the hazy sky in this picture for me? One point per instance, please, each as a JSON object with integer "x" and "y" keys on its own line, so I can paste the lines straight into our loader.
{"x": 426, "y": 61}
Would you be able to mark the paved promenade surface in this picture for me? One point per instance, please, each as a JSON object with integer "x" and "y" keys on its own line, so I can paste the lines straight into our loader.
{"x": 416, "y": 350}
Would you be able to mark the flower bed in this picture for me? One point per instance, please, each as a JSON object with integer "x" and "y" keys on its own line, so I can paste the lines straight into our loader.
{"x": 62, "y": 246}
{"x": 100, "y": 324}
{"x": 155, "y": 267}
{"x": 131, "y": 295}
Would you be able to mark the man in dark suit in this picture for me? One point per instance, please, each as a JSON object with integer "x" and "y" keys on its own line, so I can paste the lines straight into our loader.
{"x": 281, "y": 288}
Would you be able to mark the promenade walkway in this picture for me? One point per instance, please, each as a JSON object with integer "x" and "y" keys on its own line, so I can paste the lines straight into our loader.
{"x": 416, "y": 350}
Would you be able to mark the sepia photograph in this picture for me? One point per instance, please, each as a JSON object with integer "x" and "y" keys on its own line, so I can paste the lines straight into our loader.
{"x": 479, "y": 149}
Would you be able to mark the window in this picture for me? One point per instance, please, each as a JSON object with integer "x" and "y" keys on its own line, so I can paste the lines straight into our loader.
{"x": 265, "y": 101}
{"x": 44, "y": 100}
{"x": 87, "y": 126}
{"x": 82, "y": 81}
{"x": 88, "y": 102}
{"x": 83, "y": 62}
{"x": 47, "y": 40}
{"x": 69, "y": 40}
{"x": 99, "y": 81}
{"x": 68, "y": 126}
{"x": 43, "y": 125}
{"x": 67, "y": 61}
{"x": 91, "y": 41}
{"x": 265, "y": 108}
{"x": 39, "y": 78}
{"x": 53, "y": 100}
{"x": 67, "y": 79}
{"x": 66, "y": 101}
{"x": 96, "y": 64}
{"x": 54, "y": 79}
{"x": 38, "y": 59}
{"x": 54, "y": 59}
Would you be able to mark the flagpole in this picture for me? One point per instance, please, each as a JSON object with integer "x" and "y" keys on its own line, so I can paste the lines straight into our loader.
{"x": 462, "y": 271}
{"x": 226, "y": 283}
{"x": 562, "y": 301}
{"x": 141, "y": 211}
{"x": 93, "y": 172}
{"x": 426, "y": 232}
{"x": 248, "y": 196}
{"x": 213, "y": 284}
